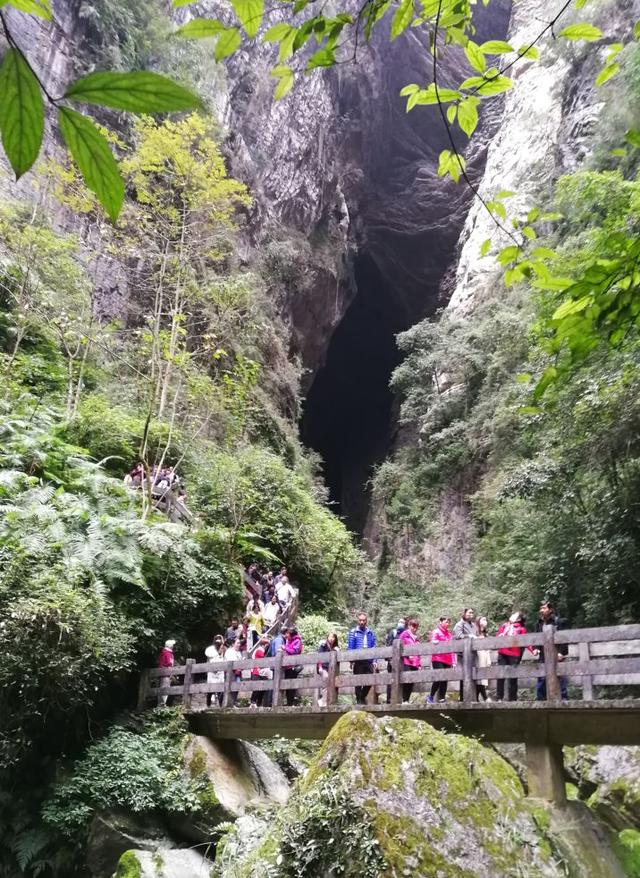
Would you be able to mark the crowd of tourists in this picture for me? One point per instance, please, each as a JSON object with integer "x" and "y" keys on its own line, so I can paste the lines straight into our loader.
{"x": 263, "y": 633}
{"x": 161, "y": 478}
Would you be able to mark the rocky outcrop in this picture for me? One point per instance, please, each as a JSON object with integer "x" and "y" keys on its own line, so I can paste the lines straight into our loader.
{"x": 608, "y": 779}
{"x": 163, "y": 864}
{"x": 115, "y": 832}
{"x": 390, "y": 797}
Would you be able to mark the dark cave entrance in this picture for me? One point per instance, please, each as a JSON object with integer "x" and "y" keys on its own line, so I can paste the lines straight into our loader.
{"x": 348, "y": 413}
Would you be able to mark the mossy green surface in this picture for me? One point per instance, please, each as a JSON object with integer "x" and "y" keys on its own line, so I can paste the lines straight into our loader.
{"x": 628, "y": 850}
{"x": 432, "y": 805}
{"x": 128, "y": 866}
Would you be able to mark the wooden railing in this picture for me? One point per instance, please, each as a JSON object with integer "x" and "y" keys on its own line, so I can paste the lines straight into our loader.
{"x": 596, "y": 657}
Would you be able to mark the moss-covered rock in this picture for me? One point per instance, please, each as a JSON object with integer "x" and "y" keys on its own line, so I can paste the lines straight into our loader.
{"x": 390, "y": 797}
{"x": 608, "y": 779}
{"x": 166, "y": 863}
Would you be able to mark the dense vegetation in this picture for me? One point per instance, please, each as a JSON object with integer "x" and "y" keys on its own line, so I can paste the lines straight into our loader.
{"x": 551, "y": 489}
{"x": 193, "y": 373}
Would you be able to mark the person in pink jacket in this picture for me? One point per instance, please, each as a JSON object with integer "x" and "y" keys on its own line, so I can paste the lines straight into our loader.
{"x": 410, "y": 662}
{"x": 441, "y": 634}
{"x": 292, "y": 646}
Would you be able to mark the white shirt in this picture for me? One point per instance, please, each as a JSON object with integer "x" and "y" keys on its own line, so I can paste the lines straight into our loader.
{"x": 270, "y": 613}
{"x": 213, "y": 655}
{"x": 285, "y": 592}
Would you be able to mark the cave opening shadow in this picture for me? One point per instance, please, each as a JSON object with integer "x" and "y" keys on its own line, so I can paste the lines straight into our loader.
{"x": 347, "y": 416}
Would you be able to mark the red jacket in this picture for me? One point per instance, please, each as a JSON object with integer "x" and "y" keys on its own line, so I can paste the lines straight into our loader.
{"x": 409, "y": 638}
{"x": 166, "y": 658}
{"x": 441, "y": 635}
{"x": 511, "y": 629}
{"x": 259, "y": 653}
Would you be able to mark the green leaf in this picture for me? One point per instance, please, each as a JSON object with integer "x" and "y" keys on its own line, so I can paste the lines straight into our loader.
{"x": 618, "y": 152}
{"x": 496, "y": 47}
{"x": 285, "y": 83}
{"x": 475, "y": 56}
{"x": 548, "y": 377}
{"x": 468, "y": 115}
{"x": 636, "y": 30}
{"x": 508, "y": 254}
{"x": 90, "y": 151}
{"x": 277, "y": 33}
{"x": 21, "y": 112}
{"x": 401, "y": 18}
{"x": 633, "y": 137}
{"x": 409, "y": 90}
{"x": 529, "y": 410}
{"x": 41, "y": 8}
{"x": 452, "y": 112}
{"x": 486, "y": 246}
{"x": 249, "y": 14}
{"x": 324, "y": 57}
{"x": 137, "y": 92}
{"x": 581, "y": 31}
{"x": 543, "y": 253}
{"x": 178, "y": 3}
{"x": 607, "y": 73}
{"x": 572, "y": 306}
{"x": 523, "y": 378}
{"x": 200, "y": 28}
{"x": 505, "y": 193}
{"x": 530, "y": 52}
{"x": 530, "y": 233}
{"x": 228, "y": 41}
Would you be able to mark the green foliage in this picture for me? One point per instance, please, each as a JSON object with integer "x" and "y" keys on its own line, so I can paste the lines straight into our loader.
{"x": 253, "y": 491}
{"x": 139, "y": 771}
{"x": 314, "y": 628}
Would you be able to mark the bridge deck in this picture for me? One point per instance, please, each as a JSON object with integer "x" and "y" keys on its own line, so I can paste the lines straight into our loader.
{"x": 543, "y": 723}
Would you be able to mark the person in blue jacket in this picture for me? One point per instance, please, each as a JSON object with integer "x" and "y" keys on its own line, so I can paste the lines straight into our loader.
{"x": 362, "y": 637}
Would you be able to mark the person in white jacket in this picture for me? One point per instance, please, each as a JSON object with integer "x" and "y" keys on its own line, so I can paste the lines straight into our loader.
{"x": 215, "y": 654}
{"x": 271, "y": 611}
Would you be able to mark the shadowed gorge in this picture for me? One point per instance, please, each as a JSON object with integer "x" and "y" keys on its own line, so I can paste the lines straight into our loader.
{"x": 348, "y": 411}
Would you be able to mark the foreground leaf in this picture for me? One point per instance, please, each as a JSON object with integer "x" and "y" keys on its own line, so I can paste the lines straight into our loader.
{"x": 249, "y": 14}
{"x": 200, "y": 28}
{"x": 228, "y": 41}
{"x": 90, "y": 151}
{"x": 21, "y": 112}
{"x": 41, "y": 8}
{"x": 581, "y": 32}
{"x": 137, "y": 92}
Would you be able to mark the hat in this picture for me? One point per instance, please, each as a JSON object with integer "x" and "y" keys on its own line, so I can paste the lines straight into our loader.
{"x": 170, "y": 644}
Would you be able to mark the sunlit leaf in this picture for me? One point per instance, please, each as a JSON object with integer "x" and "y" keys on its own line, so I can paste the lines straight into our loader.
{"x": 138, "y": 92}
{"x": 21, "y": 112}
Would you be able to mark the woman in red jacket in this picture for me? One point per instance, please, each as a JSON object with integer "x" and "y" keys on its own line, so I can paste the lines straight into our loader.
{"x": 510, "y": 655}
{"x": 441, "y": 634}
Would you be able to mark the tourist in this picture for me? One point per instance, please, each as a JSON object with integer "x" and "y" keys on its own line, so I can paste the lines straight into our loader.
{"x": 255, "y": 621}
{"x": 166, "y": 660}
{"x": 232, "y": 631}
{"x": 447, "y": 660}
{"x": 464, "y": 627}
{"x": 271, "y": 611}
{"x": 329, "y": 644}
{"x": 362, "y": 637}
{"x": 510, "y": 656}
{"x": 234, "y": 654}
{"x": 285, "y": 592}
{"x": 393, "y": 634}
{"x": 292, "y": 646}
{"x": 411, "y": 662}
{"x": 257, "y": 674}
{"x": 215, "y": 654}
{"x": 279, "y": 641}
{"x": 483, "y": 660}
{"x": 279, "y": 576}
{"x": 548, "y": 617}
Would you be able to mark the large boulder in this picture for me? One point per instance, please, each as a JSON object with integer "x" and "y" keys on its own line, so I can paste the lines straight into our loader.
{"x": 163, "y": 863}
{"x": 608, "y": 779}
{"x": 112, "y": 833}
{"x": 386, "y": 798}
{"x": 234, "y": 776}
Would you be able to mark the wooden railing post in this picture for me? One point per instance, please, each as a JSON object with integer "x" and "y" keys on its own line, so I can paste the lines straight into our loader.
{"x": 587, "y": 682}
{"x": 468, "y": 688}
{"x": 277, "y": 680}
{"x": 143, "y": 689}
{"x": 396, "y": 670}
{"x": 228, "y": 680}
{"x": 551, "y": 664}
{"x": 332, "y": 692}
{"x": 188, "y": 674}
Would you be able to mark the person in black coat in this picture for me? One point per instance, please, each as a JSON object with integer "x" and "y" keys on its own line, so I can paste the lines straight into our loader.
{"x": 548, "y": 616}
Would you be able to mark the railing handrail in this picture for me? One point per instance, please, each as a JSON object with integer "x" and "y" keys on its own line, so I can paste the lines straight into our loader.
{"x": 588, "y": 669}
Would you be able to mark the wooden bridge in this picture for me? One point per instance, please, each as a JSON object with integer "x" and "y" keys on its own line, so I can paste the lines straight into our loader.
{"x": 602, "y": 669}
